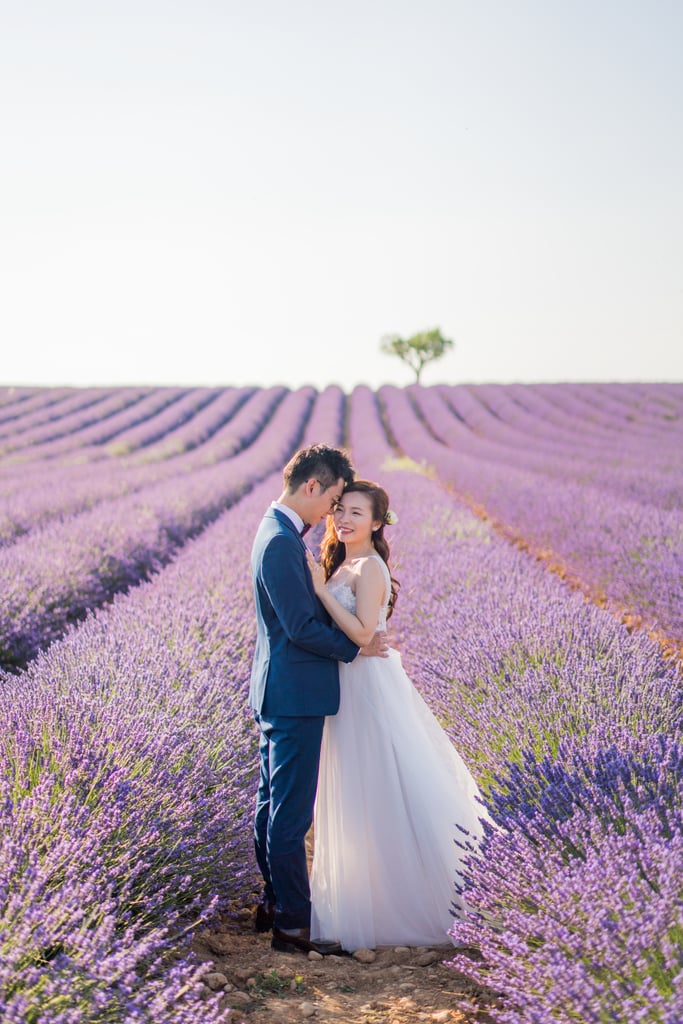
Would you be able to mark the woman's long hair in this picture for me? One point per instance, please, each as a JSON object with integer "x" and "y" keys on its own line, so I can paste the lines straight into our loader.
{"x": 333, "y": 551}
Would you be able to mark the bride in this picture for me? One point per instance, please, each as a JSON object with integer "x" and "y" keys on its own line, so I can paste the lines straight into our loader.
{"x": 394, "y": 796}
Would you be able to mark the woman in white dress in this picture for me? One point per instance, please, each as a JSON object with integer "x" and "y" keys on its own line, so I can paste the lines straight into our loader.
{"x": 394, "y": 796}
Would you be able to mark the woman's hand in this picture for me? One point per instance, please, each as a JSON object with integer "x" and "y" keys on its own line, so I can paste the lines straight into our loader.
{"x": 317, "y": 573}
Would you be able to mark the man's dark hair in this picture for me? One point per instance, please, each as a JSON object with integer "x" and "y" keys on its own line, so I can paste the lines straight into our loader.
{"x": 321, "y": 462}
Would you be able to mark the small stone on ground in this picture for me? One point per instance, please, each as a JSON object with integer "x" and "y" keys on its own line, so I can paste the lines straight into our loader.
{"x": 365, "y": 956}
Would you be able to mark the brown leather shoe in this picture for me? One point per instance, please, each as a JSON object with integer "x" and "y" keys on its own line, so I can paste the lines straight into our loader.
{"x": 298, "y": 940}
{"x": 265, "y": 915}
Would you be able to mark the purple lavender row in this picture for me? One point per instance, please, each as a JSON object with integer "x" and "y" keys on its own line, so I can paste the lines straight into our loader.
{"x": 666, "y": 400}
{"x": 512, "y": 415}
{"x": 17, "y": 402}
{"x": 627, "y": 400}
{"x": 560, "y": 407}
{"x": 170, "y": 418}
{"x": 124, "y": 406}
{"x": 143, "y": 707}
{"x": 195, "y": 431}
{"x": 659, "y": 393}
{"x": 221, "y": 436}
{"x": 215, "y": 426}
{"x": 443, "y": 544}
{"x": 597, "y": 413}
{"x": 134, "y": 427}
{"x": 494, "y": 432}
{"x": 501, "y": 413}
{"x": 92, "y": 407}
{"x": 58, "y": 572}
{"x": 127, "y": 791}
{"x": 572, "y": 727}
{"x": 12, "y": 395}
{"x": 326, "y": 424}
{"x": 640, "y": 404}
{"x": 36, "y": 494}
{"x": 634, "y": 478}
{"x": 629, "y": 551}
{"x": 488, "y": 409}
{"x": 588, "y": 899}
{"x": 600, "y": 409}
{"x": 66, "y": 402}
{"x": 527, "y": 609}
{"x": 669, "y": 395}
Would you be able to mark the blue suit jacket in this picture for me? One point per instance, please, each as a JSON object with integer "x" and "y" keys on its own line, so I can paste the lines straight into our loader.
{"x": 295, "y": 669}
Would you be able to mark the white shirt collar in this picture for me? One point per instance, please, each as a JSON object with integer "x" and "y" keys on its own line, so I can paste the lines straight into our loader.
{"x": 294, "y": 516}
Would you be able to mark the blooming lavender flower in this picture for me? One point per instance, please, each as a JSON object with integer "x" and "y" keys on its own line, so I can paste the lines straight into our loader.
{"x": 127, "y": 762}
{"x": 16, "y": 404}
{"x": 55, "y": 574}
{"x": 49, "y": 417}
{"x": 624, "y": 549}
{"x": 35, "y": 493}
{"x": 586, "y": 895}
{"x": 127, "y": 773}
{"x": 54, "y": 433}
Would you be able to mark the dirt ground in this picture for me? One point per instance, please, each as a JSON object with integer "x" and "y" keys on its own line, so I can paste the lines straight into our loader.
{"x": 399, "y": 986}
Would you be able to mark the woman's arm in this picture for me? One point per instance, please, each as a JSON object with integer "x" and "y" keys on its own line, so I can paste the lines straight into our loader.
{"x": 287, "y": 588}
{"x": 370, "y": 588}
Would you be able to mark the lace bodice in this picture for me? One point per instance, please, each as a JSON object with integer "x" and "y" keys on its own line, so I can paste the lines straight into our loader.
{"x": 347, "y": 596}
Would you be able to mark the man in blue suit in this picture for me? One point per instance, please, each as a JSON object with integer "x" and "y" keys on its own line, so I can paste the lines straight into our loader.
{"x": 294, "y": 684}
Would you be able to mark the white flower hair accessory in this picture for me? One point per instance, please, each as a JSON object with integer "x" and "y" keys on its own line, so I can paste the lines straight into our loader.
{"x": 390, "y": 518}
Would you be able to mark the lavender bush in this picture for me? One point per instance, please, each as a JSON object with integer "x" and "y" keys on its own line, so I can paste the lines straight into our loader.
{"x": 173, "y": 416}
{"x": 627, "y": 550}
{"x": 499, "y": 430}
{"x": 55, "y": 434}
{"x": 56, "y": 573}
{"x": 49, "y": 415}
{"x": 14, "y": 401}
{"x": 36, "y": 494}
{"x": 572, "y": 727}
{"x": 200, "y": 427}
{"x": 586, "y": 893}
{"x": 126, "y": 770}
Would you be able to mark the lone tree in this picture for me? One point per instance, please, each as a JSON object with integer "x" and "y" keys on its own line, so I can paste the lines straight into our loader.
{"x": 418, "y": 350}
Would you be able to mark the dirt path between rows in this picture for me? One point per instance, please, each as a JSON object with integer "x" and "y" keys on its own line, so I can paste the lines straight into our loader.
{"x": 398, "y": 985}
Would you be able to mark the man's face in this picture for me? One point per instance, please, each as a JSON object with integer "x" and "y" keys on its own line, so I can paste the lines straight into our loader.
{"x": 325, "y": 500}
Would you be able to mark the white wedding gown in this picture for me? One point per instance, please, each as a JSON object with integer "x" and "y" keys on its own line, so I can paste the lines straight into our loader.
{"x": 392, "y": 792}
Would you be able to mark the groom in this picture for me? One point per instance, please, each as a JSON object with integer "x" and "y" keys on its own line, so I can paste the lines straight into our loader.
{"x": 294, "y": 684}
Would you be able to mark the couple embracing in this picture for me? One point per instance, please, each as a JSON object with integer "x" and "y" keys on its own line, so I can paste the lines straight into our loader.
{"x": 344, "y": 731}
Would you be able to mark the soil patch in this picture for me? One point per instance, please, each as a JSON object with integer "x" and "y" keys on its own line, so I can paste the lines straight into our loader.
{"x": 397, "y": 985}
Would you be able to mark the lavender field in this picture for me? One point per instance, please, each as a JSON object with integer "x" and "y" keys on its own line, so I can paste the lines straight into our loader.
{"x": 540, "y": 551}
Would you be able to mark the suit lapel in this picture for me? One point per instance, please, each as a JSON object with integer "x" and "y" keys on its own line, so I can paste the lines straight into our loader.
{"x": 275, "y": 513}
{"x": 286, "y": 521}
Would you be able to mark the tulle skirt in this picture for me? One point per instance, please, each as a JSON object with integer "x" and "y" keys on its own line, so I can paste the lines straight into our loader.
{"x": 394, "y": 797}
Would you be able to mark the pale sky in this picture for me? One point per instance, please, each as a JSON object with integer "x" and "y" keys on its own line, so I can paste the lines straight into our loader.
{"x": 255, "y": 192}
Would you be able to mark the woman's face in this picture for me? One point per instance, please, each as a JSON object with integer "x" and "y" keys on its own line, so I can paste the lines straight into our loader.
{"x": 353, "y": 520}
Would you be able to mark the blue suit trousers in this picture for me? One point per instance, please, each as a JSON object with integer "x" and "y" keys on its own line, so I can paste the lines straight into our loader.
{"x": 289, "y": 750}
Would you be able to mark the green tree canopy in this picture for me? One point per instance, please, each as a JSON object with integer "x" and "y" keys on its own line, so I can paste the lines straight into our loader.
{"x": 418, "y": 350}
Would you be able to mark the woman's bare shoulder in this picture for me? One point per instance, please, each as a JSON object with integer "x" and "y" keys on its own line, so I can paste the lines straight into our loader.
{"x": 369, "y": 569}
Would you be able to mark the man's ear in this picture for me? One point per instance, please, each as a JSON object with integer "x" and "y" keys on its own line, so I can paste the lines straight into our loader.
{"x": 309, "y": 486}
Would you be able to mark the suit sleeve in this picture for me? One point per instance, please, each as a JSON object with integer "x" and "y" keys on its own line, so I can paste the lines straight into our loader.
{"x": 288, "y": 584}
